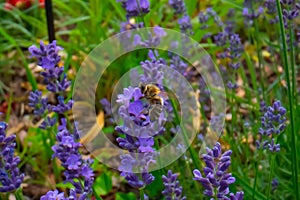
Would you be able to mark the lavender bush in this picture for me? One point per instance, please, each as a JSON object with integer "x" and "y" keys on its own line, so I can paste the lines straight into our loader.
{"x": 10, "y": 175}
{"x": 77, "y": 170}
{"x": 216, "y": 179}
{"x": 254, "y": 46}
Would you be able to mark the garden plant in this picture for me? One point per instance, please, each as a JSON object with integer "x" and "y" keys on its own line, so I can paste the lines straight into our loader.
{"x": 149, "y": 99}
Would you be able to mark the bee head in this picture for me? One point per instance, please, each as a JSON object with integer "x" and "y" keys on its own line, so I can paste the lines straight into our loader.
{"x": 142, "y": 87}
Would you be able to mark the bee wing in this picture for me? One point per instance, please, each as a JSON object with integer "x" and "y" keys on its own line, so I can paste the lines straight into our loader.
{"x": 155, "y": 111}
{"x": 163, "y": 95}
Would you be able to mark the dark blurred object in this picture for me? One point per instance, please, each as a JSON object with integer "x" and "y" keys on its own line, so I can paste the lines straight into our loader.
{"x": 50, "y": 21}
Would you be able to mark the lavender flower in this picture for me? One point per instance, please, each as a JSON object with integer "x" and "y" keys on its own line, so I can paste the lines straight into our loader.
{"x": 185, "y": 24}
{"x": 203, "y": 18}
{"x": 185, "y": 21}
{"x": 274, "y": 184}
{"x": 271, "y": 10}
{"x": 53, "y": 195}
{"x": 138, "y": 131}
{"x": 62, "y": 107}
{"x": 252, "y": 10}
{"x": 178, "y": 64}
{"x": 153, "y": 39}
{"x": 221, "y": 39}
{"x": 76, "y": 168}
{"x": 48, "y": 59}
{"x": 135, "y": 8}
{"x": 271, "y": 6}
{"x": 227, "y": 39}
{"x": 178, "y": 6}
{"x": 39, "y": 104}
{"x": 273, "y": 120}
{"x": 274, "y": 147}
{"x": 47, "y": 55}
{"x": 48, "y": 122}
{"x": 107, "y": 110}
{"x": 216, "y": 180}
{"x": 137, "y": 181}
{"x": 273, "y": 123}
{"x": 152, "y": 70}
{"x": 235, "y": 47}
{"x": 55, "y": 80}
{"x": 250, "y": 15}
{"x": 172, "y": 189}
{"x": 237, "y": 196}
{"x": 10, "y": 176}
{"x": 290, "y": 11}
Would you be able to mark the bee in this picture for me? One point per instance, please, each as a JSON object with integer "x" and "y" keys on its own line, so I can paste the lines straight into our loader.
{"x": 152, "y": 94}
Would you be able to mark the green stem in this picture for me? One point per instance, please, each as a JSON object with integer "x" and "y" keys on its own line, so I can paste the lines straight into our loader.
{"x": 259, "y": 55}
{"x": 292, "y": 50}
{"x": 291, "y": 102}
{"x": 161, "y": 169}
{"x": 271, "y": 175}
{"x": 255, "y": 180}
{"x": 256, "y": 173}
{"x": 141, "y": 16}
{"x": 190, "y": 149}
{"x": 142, "y": 194}
{"x": 19, "y": 195}
{"x": 9, "y": 107}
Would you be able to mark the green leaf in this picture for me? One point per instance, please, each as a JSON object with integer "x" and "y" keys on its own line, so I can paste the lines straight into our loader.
{"x": 11, "y": 40}
{"x": 247, "y": 188}
{"x": 156, "y": 186}
{"x": 103, "y": 184}
{"x": 124, "y": 196}
{"x": 64, "y": 185}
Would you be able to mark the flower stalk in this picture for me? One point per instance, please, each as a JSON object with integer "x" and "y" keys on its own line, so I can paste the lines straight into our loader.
{"x": 291, "y": 101}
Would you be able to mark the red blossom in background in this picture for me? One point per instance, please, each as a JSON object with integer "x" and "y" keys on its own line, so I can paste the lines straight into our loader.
{"x": 21, "y": 4}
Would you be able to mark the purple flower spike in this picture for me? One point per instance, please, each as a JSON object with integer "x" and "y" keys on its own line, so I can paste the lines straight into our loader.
{"x": 221, "y": 39}
{"x": 136, "y": 182}
{"x": 39, "y": 104}
{"x": 48, "y": 122}
{"x": 275, "y": 184}
{"x": 62, "y": 106}
{"x": 216, "y": 180}
{"x": 274, "y": 147}
{"x": 172, "y": 188}
{"x": 76, "y": 168}
{"x": 47, "y": 55}
{"x": 178, "y": 6}
{"x": 237, "y": 196}
{"x": 48, "y": 59}
{"x": 271, "y": 6}
{"x": 273, "y": 122}
{"x": 10, "y": 176}
{"x": 185, "y": 24}
{"x": 159, "y": 31}
{"x": 135, "y": 8}
{"x": 137, "y": 111}
{"x": 138, "y": 133}
{"x": 53, "y": 195}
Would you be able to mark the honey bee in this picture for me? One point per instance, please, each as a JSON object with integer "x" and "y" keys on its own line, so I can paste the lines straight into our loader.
{"x": 152, "y": 94}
